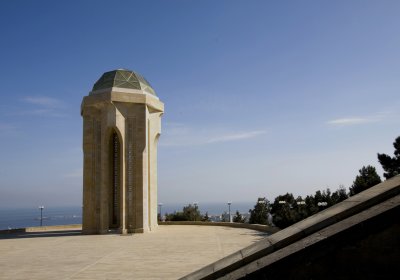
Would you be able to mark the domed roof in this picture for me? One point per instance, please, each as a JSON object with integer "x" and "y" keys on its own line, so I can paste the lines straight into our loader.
{"x": 123, "y": 78}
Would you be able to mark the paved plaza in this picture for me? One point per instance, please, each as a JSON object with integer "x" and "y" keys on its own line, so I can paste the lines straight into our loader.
{"x": 169, "y": 252}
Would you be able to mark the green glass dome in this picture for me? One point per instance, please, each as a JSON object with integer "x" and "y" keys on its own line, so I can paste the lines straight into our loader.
{"x": 123, "y": 78}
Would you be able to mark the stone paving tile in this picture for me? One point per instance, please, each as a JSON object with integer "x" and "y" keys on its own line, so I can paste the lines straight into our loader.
{"x": 167, "y": 253}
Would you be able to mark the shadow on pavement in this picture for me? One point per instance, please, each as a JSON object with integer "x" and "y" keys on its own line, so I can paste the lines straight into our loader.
{"x": 57, "y": 233}
{"x": 260, "y": 234}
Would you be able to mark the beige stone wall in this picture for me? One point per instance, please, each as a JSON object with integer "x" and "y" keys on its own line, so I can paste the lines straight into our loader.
{"x": 154, "y": 127}
{"x": 136, "y": 118}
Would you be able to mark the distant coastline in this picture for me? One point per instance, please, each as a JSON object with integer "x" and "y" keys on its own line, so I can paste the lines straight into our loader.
{"x": 30, "y": 217}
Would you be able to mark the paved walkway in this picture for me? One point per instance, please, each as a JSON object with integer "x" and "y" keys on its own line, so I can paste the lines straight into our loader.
{"x": 169, "y": 252}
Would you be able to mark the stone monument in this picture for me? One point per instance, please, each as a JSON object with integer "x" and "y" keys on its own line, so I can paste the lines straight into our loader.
{"x": 121, "y": 128}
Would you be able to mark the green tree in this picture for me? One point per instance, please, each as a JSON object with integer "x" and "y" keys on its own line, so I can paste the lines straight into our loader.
{"x": 225, "y": 217}
{"x": 319, "y": 197}
{"x": 205, "y": 218}
{"x": 192, "y": 213}
{"x": 283, "y": 212}
{"x": 238, "y": 218}
{"x": 259, "y": 214}
{"x": 339, "y": 195}
{"x": 311, "y": 205}
{"x": 391, "y": 165}
{"x": 311, "y": 201}
{"x": 189, "y": 213}
{"x": 300, "y": 207}
{"x": 176, "y": 216}
{"x": 366, "y": 179}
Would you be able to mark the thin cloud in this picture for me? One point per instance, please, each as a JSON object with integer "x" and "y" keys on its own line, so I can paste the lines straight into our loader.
{"x": 182, "y": 136}
{"x": 40, "y": 112}
{"x": 236, "y": 136}
{"x": 350, "y": 121}
{"x": 388, "y": 115}
{"x": 47, "y": 102}
{"x": 41, "y": 106}
{"x": 359, "y": 120}
{"x": 176, "y": 128}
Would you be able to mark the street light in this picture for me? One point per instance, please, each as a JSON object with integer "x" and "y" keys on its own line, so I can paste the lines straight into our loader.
{"x": 229, "y": 211}
{"x": 41, "y": 215}
{"x": 160, "y": 205}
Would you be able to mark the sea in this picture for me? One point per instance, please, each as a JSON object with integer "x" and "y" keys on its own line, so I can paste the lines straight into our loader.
{"x": 30, "y": 217}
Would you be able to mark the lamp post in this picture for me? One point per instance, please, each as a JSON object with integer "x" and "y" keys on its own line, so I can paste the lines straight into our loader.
{"x": 160, "y": 205}
{"x": 229, "y": 211}
{"x": 322, "y": 204}
{"x": 41, "y": 215}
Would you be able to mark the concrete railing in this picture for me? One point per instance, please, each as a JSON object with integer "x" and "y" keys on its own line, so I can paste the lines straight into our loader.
{"x": 57, "y": 227}
{"x": 263, "y": 228}
{"x": 42, "y": 228}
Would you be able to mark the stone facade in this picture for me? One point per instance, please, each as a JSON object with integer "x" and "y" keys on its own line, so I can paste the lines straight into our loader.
{"x": 121, "y": 127}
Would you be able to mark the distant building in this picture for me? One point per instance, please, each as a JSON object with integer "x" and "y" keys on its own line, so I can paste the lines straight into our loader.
{"x": 225, "y": 217}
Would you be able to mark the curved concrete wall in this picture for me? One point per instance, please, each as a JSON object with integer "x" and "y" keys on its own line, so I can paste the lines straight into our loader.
{"x": 262, "y": 228}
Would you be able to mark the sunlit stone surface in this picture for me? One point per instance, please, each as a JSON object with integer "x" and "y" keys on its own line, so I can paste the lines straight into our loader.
{"x": 121, "y": 127}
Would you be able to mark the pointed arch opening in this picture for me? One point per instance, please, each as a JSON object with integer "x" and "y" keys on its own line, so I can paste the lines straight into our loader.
{"x": 115, "y": 180}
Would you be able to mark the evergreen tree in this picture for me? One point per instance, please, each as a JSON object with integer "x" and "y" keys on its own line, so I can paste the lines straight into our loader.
{"x": 339, "y": 195}
{"x": 391, "y": 165}
{"x": 283, "y": 210}
{"x": 192, "y": 213}
{"x": 301, "y": 208}
{"x": 366, "y": 179}
{"x": 238, "y": 218}
{"x": 188, "y": 213}
{"x": 176, "y": 216}
{"x": 311, "y": 205}
{"x": 225, "y": 217}
{"x": 205, "y": 218}
{"x": 259, "y": 214}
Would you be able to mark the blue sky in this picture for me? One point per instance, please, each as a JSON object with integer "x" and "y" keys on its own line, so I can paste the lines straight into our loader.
{"x": 261, "y": 97}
